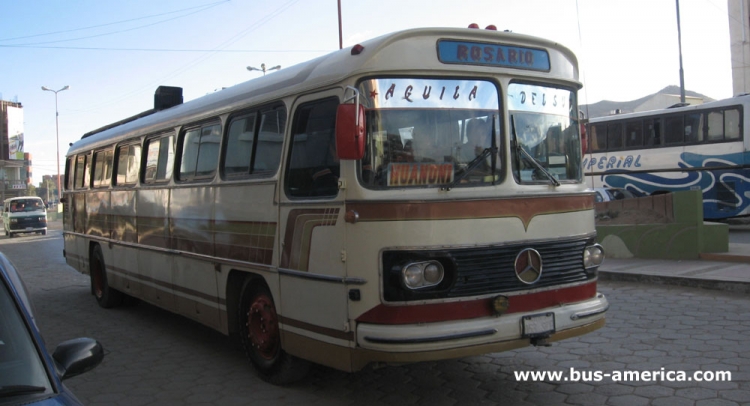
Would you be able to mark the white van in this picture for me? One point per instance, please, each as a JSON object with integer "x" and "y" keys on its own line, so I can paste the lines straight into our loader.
{"x": 25, "y": 214}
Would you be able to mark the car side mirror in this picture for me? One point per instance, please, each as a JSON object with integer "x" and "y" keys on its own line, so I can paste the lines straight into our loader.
{"x": 74, "y": 357}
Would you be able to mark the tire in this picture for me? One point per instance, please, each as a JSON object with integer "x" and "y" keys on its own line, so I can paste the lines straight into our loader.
{"x": 261, "y": 338}
{"x": 44, "y": 232}
{"x": 105, "y": 295}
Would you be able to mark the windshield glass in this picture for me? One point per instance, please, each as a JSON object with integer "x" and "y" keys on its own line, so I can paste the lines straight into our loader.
{"x": 430, "y": 132}
{"x": 546, "y": 127}
{"x": 21, "y": 370}
{"x": 20, "y": 205}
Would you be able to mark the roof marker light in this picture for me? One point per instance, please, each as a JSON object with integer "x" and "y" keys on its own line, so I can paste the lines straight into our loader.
{"x": 474, "y": 26}
{"x": 357, "y": 49}
{"x": 491, "y": 27}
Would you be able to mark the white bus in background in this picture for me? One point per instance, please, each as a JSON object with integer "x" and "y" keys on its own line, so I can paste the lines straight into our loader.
{"x": 24, "y": 214}
{"x": 701, "y": 147}
{"x": 415, "y": 197}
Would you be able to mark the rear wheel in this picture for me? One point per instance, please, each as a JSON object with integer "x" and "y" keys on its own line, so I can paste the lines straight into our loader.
{"x": 105, "y": 295}
{"x": 261, "y": 337}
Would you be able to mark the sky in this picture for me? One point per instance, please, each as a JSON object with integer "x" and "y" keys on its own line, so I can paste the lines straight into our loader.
{"x": 114, "y": 55}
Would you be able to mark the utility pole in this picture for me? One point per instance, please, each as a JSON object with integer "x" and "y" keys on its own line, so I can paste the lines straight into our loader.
{"x": 679, "y": 43}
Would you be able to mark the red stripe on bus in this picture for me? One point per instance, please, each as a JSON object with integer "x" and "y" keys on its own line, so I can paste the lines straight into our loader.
{"x": 431, "y": 313}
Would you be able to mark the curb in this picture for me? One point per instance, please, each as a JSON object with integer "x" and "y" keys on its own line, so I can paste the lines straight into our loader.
{"x": 729, "y": 286}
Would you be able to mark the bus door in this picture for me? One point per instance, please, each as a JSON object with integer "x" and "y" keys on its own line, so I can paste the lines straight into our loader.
{"x": 311, "y": 268}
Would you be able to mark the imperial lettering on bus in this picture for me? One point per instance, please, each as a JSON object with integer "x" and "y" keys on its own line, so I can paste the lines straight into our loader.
{"x": 416, "y": 174}
{"x": 613, "y": 162}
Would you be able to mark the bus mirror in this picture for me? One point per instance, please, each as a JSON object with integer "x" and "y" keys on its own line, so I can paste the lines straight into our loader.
{"x": 350, "y": 131}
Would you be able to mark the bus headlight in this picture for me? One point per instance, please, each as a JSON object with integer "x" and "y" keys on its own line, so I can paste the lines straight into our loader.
{"x": 593, "y": 256}
{"x": 422, "y": 274}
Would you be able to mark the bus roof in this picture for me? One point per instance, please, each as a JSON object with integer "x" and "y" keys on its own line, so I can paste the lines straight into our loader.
{"x": 407, "y": 52}
{"x": 713, "y": 104}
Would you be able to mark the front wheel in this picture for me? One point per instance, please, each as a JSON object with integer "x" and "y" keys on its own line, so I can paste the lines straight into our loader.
{"x": 105, "y": 295}
{"x": 261, "y": 337}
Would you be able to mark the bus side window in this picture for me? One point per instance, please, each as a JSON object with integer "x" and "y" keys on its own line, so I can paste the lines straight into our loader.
{"x": 128, "y": 162}
{"x": 248, "y": 154}
{"x": 81, "y": 178}
{"x": 732, "y": 124}
{"x": 634, "y": 134}
{"x": 598, "y": 137}
{"x": 653, "y": 133}
{"x": 270, "y": 138}
{"x": 693, "y": 128}
{"x": 614, "y": 136}
{"x": 674, "y": 130}
{"x": 715, "y": 122}
{"x": 102, "y": 168}
{"x": 313, "y": 167}
{"x": 159, "y": 159}
{"x": 199, "y": 152}
{"x": 69, "y": 173}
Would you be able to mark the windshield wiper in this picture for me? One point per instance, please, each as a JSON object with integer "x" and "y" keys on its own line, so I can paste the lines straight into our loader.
{"x": 522, "y": 152}
{"x": 471, "y": 166}
{"x": 17, "y": 390}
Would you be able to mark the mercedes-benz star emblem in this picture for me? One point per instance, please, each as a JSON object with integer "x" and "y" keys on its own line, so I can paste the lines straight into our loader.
{"x": 528, "y": 266}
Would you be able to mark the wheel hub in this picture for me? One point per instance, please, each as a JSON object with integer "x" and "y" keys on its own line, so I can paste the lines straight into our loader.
{"x": 263, "y": 327}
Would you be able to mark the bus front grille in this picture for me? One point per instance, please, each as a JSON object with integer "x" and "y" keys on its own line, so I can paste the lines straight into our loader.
{"x": 486, "y": 270}
{"x": 491, "y": 270}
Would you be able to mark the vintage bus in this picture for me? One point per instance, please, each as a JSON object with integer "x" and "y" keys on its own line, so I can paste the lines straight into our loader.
{"x": 699, "y": 147}
{"x": 416, "y": 197}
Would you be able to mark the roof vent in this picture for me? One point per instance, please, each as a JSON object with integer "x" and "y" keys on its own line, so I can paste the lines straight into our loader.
{"x": 166, "y": 97}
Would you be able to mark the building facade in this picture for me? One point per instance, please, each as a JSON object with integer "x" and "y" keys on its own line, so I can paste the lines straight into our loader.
{"x": 739, "y": 39}
{"x": 15, "y": 164}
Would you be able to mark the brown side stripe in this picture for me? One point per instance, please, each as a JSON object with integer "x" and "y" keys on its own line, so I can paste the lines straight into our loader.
{"x": 523, "y": 208}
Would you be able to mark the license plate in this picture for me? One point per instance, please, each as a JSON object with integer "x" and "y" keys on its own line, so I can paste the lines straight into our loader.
{"x": 538, "y": 325}
{"x": 29, "y": 228}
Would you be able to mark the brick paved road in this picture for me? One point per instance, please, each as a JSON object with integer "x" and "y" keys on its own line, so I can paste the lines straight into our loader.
{"x": 155, "y": 357}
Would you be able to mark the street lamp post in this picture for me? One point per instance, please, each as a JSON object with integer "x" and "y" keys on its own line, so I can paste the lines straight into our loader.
{"x": 263, "y": 68}
{"x": 57, "y": 136}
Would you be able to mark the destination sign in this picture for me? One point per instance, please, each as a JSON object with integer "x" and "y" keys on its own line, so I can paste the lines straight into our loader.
{"x": 419, "y": 174}
{"x": 478, "y": 53}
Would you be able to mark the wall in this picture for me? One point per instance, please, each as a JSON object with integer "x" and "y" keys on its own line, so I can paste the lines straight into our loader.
{"x": 666, "y": 226}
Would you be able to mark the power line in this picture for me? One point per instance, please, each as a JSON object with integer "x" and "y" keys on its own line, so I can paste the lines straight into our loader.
{"x": 167, "y": 49}
{"x": 202, "y": 8}
{"x": 198, "y": 60}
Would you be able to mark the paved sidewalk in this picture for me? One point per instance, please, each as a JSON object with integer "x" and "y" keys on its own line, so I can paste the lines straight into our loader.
{"x": 725, "y": 271}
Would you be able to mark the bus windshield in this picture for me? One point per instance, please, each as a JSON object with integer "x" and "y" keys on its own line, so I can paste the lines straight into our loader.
{"x": 430, "y": 132}
{"x": 546, "y": 134}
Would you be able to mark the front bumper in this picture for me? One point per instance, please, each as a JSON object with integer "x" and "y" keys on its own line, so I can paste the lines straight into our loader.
{"x": 477, "y": 333}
